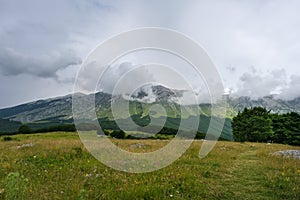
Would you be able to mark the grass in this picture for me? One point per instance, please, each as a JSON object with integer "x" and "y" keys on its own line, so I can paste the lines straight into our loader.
{"x": 59, "y": 167}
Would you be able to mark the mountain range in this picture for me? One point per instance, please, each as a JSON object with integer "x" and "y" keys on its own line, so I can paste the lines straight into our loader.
{"x": 55, "y": 111}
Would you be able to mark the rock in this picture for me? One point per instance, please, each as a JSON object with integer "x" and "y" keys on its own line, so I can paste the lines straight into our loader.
{"x": 137, "y": 145}
{"x": 288, "y": 154}
{"x": 25, "y": 145}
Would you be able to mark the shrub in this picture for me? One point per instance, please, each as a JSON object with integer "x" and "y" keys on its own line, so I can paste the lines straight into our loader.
{"x": 118, "y": 134}
{"x": 24, "y": 129}
{"x": 7, "y": 138}
{"x": 200, "y": 135}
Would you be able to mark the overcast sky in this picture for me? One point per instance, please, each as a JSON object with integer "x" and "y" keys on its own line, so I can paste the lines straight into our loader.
{"x": 254, "y": 44}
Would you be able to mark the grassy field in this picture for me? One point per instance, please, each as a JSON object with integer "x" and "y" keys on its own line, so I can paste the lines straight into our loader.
{"x": 58, "y": 166}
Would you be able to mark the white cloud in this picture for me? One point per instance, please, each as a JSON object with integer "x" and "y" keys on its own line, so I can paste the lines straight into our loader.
{"x": 293, "y": 89}
{"x": 258, "y": 85}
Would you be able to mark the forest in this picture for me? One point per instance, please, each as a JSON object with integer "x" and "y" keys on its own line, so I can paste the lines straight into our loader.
{"x": 258, "y": 124}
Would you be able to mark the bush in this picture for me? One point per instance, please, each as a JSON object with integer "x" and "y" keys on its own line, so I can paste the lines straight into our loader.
{"x": 24, "y": 129}
{"x": 7, "y": 138}
{"x": 62, "y": 127}
{"x": 200, "y": 135}
{"x": 118, "y": 134}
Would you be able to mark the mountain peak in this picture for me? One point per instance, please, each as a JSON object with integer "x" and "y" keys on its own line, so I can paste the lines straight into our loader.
{"x": 156, "y": 93}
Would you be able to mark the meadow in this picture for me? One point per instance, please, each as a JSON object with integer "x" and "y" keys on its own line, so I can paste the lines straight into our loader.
{"x": 57, "y": 166}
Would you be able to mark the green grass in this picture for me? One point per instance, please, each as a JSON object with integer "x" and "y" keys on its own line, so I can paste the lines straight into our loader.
{"x": 59, "y": 167}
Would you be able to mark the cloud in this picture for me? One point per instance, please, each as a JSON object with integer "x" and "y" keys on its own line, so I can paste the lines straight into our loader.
{"x": 231, "y": 69}
{"x": 14, "y": 63}
{"x": 126, "y": 77}
{"x": 258, "y": 85}
{"x": 277, "y": 83}
{"x": 42, "y": 38}
{"x": 36, "y": 38}
{"x": 292, "y": 91}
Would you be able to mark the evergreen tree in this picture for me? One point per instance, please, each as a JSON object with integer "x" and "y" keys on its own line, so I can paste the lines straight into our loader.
{"x": 254, "y": 125}
{"x": 24, "y": 129}
{"x": 286, "y": 128}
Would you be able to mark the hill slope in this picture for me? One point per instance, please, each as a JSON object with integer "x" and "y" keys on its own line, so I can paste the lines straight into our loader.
{"x": 48, "y": 112}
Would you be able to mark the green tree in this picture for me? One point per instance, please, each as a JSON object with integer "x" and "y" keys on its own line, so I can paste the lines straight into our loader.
{"x": 118, "y": 134}
{"x": 254, "y": 125}
{"x": 24, "y": 129}
{"x": 286, "y": 128}
{"x": 294, "y": 124}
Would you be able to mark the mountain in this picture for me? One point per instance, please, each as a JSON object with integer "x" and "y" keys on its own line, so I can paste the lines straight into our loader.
{"x": 56, "y": 111}
{"x": 7, "y": 125}
{"x": 61, "y": 107}
{"x": 269, "y": 102}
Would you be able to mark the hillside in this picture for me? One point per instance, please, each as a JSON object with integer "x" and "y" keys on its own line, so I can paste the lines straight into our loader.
{"x": 56, "y": 111}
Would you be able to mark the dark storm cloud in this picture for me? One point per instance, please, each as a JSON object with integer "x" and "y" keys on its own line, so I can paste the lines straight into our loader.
{"x": 16, "y": 63}
{"x": 43, "y": 38}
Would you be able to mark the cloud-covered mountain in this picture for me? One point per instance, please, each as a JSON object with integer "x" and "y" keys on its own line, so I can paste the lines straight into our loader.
{"x": 61, "y": 107}
{"x": 59, "y": 110}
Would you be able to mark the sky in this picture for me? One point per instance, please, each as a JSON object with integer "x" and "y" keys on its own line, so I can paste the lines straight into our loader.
{"x": 254, "y": 44}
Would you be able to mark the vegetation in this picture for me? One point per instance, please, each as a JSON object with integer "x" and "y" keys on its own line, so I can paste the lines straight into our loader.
{"x": 7, "y": 138}
{"x": 15, "y": 186}
{"x": 57, "y": 166}
{"x": 259, "y": 125}
{"x": 8, "y": 126}
{"x": 286, "y": 128}
{"x": 61, "y": 127}
{"x": 24, "y": 129}
{"x": 170, "y": 128}
{"x": 254, "y": 125}
{"x": 118, "y": 134}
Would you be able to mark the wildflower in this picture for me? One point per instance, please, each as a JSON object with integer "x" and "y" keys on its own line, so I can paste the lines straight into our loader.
{"x": 34, "y": 156}
{"x": 171, "y": 195}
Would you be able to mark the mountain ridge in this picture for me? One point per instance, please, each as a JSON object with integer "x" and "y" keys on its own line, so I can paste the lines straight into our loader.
{"x": 62, "y": 105}
{"x": 58, "y": 110}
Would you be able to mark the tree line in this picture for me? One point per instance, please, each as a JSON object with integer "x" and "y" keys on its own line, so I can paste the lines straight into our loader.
{"x": 258, "y": 124}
